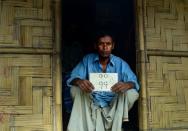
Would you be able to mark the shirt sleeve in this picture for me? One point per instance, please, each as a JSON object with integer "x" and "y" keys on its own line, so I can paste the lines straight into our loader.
{"x": 78, "y": 72}
{"x": 129, "y": 76}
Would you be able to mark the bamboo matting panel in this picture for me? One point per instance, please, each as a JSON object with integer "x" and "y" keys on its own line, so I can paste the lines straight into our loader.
{"x": 166, "y": 25}
{"x": 167, "y": 93}
{"x": 25, "y": 92}
{"x": 25, "y": 23}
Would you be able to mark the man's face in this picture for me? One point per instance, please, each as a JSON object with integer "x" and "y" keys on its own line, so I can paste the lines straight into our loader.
{"x": 105, "y": 46}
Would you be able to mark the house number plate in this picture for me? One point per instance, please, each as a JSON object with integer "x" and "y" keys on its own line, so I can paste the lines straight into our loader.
{"x": 103, "y": 81}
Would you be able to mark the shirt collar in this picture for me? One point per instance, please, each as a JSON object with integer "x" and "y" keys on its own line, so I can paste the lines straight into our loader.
{"x": 96, "y": 59}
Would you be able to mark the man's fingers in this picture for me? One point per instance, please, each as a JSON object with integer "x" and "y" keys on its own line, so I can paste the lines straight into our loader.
{"x": 86, "y": 86}
{"x": 115, "y": 88}
{"x": 89, "y": 85}
{"x": 118, "y": 87}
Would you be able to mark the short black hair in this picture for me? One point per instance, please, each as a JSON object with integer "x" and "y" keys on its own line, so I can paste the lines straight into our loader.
{"x": 103, "y": 33}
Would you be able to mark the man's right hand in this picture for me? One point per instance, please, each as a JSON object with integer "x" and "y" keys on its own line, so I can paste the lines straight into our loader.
{"x": 84, "y": 85}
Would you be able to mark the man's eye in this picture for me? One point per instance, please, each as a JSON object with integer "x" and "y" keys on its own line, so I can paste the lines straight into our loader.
{"x": 108, "y": 43}
{"x": 100, "y": 43}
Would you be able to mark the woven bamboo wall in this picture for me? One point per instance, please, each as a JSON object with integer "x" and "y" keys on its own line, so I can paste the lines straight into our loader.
{"x": 165, "y": 49}
{"x": 26, "y": 65}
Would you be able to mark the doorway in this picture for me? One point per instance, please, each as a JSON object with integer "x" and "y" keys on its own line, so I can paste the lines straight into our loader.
{"x": 81, "y": 19}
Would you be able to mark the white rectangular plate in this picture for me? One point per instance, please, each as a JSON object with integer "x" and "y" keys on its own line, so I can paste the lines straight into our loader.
{"x": 103, "y": 81}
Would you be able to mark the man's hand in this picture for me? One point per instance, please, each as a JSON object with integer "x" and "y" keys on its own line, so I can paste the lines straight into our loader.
{"x": 84, "y": 85}
{"x": 122, "y": 86}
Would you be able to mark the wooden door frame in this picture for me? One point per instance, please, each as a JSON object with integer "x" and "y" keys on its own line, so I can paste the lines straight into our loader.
{"x": 141, "y": 51}
{"x": 57, "y": 67}
{"x": 140, "y": 64}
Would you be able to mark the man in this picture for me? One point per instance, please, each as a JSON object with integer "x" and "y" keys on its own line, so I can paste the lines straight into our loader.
{"x": 100, "y": 110}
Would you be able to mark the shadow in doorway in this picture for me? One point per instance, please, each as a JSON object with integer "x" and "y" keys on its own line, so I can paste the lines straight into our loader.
{"x": 80, "y": 20}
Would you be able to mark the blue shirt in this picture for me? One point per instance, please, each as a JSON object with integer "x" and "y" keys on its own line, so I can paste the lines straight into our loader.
{"x": 90, "y": 64}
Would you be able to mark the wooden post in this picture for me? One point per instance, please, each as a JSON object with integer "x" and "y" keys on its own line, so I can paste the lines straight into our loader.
{"x": 141, "y": 65}
{"x": 57, "y": 73}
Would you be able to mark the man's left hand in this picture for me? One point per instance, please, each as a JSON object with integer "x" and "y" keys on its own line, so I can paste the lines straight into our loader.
{"x": 122, "y": 86}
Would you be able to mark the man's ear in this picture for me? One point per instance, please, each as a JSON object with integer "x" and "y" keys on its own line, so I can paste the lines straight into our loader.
{"x": 95, "y": 46}
{"x": 113, "y": 45}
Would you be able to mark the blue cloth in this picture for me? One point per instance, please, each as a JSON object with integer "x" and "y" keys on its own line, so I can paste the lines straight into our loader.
{"x": 67, "y": 100}
{"x": 90, "y": 64}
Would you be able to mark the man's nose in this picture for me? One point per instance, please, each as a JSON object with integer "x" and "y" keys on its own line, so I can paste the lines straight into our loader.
{"x": 105, "y": 45}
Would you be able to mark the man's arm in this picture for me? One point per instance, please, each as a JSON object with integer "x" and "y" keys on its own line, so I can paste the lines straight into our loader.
{"x": 122, "y": 86}
{"x": 128, "y": 79}
{"x": 84, "y": 85}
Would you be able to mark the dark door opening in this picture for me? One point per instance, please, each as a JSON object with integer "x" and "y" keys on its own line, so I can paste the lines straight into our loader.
{"x": 81, "y": 19}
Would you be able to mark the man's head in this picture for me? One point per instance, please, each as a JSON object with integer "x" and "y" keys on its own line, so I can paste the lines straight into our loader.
{"x": 104, "y": 45}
